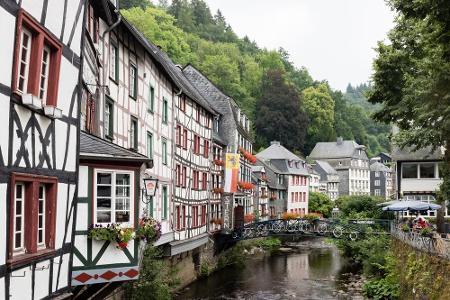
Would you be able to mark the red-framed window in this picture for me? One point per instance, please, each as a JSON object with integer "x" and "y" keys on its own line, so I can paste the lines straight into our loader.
{"x": 206, "y": 148}
{"x": 178, "y": 135}
{"x": 183, "y": 176}
{"x": 37, "y": 60}
{"x": 182, "y": 103}
{"x": 178, "y": 175}
{"x": 183, "y": 212}
{"x": 292, "y": 196}
{"x": 196, "y": 144}
{"x": 32, "y": 215}
{"x": 194, "y": 216}
{"x": 196, "y": 179}
{"x": 203, "y": 215}
{"x": 185, "y": 138}
{"x": 204, "y": 181}
{"x": 92, "y": 24}
{"x": 198, "y": 113}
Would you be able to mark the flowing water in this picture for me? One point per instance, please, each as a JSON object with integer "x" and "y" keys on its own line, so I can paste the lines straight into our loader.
{"x": 315, "y": 270}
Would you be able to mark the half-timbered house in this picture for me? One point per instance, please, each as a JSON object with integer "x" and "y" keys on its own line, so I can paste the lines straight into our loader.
{"x": 127, "y": 136}
{"x": 234, "y": 129}
{"x": 39, "y": 105}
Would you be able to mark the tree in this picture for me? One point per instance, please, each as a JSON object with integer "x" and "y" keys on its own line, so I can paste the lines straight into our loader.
{"x": 320, "y": 203}
{"x": 359, "y": 206}
{"x": 126, "y": 4}
{"x": 319, "y": 106}
{"x": 412, "y": 78}
{"x": 279, "y": 116}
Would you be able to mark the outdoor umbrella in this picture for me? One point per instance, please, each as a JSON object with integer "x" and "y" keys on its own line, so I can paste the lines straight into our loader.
{"x": 411, "y": 205}
{"x": 388, "y": 203}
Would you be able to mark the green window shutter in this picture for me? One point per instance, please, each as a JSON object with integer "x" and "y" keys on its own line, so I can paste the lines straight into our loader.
{"x": 164, "y": 194}
{"x": 149, "y": 145}
{"x": 151, "y": 100}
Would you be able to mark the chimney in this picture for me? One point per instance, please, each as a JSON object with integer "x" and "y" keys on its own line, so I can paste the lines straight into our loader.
{"x": 339, "y": 140}
{"x": 275, "y": 143}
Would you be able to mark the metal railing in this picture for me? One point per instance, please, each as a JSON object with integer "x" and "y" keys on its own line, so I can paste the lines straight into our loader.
{"x": 434, "y": 244}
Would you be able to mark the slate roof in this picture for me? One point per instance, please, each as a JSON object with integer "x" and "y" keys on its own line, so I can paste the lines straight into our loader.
{"x": 271, "y": 173}
{"x": 277, "y": 151}
{"x": 379, "y": 167}
{"x": 408, "y": 154}
{"x": 221, "y": 102}
{"x": 326, "y": 167}
{"x": 327, "y": 150}
{"x": 97, "y": 148}
{"x": 173, "y": 71}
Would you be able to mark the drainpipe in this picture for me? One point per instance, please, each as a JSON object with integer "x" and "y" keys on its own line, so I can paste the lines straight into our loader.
{"x": 109, "y": 29}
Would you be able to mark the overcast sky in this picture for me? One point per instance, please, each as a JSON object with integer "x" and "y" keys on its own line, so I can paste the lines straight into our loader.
{"x": 333, "y": 39}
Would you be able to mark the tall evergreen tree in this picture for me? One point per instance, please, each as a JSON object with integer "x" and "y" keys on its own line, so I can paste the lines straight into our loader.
{"x": 279, "y": 113}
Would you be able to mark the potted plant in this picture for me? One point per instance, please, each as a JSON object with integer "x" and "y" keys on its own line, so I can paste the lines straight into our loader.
{"x": 149, "y": 229}
{"x": 289, "y": 216}
{"x": 405, "y": 228}
{"x": 427, "y": 231}
{"x": 247, "y": 155}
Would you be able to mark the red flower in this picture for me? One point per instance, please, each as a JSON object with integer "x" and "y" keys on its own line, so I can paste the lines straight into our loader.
{"x": 246, "y": 185}
{"x": 247, "y": 155}
{"x": 122, "y": 245}
{"x": 219, "y": 162}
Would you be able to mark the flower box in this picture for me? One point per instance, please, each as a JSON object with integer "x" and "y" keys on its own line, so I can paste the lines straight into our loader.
{"x": 112, "y": 233}
{"x": 246, "y": 185}
{"x": 219, "y": 162}
{"x": 273, "y": 198}
{"x": 247, "y": 155}
{"x": 218, "y": 190}
{"x": 249, "y": 218}
{"x": 264, "y": 196}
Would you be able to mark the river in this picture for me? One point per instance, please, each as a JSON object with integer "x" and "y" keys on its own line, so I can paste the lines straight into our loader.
{"x": 314, "y": 270}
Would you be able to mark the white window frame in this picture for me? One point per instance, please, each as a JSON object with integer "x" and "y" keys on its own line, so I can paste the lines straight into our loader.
{"x": 26, "y": 62}
{"x": 41, "y": 245}
{"x": 113, "y": 196}
{"x": 45, "y": 66}
{"x": 20, "y": 249}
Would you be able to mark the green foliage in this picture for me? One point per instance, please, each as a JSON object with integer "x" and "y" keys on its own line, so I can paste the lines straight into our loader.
{"x": 190, "y": 33}
{"x": 156, "y": 280}
{"x": 268, "y": 244}
{"x": 319, "y": 106}
{"x": 412, "y": 77}
{"x": 126, "y": 4}
{"x": 382, "y": 289}
{"x": 321, "y": 203}
{"x": 359, "y": 207}
{"x": 280, "y": 116}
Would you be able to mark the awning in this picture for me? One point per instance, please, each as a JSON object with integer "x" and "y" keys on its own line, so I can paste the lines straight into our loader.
{"x": 92, "y": 147}
{"x": 411, "y": 205}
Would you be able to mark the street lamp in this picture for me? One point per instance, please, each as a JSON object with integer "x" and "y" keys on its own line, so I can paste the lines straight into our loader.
{"x": 150, "y": 186}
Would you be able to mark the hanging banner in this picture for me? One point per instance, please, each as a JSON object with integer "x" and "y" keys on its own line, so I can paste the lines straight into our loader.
{"x": 231, "y": 172}
{"x": 227, "y": 212}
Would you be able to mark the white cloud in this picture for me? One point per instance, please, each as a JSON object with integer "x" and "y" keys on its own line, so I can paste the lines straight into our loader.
{"x": 334, "y": 39}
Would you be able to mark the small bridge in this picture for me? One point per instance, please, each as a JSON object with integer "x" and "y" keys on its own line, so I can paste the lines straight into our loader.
{"x": 334, "y": 228}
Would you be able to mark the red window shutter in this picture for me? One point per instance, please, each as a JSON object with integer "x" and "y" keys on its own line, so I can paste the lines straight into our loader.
{"x": 205, "y": 181}
{"x": 185, "y": 138}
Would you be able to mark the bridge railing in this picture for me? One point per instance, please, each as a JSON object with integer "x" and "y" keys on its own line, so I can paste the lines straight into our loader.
{"x": 353, "y": 229}
{"x": 435, "y": 244}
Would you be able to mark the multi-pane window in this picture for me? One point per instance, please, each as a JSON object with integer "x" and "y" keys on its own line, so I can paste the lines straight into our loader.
{"x": 377, "y": 192}
{"x": 134, "y": 134}
{"x": 36, "y": 66}
{"x": 19, "y": 212}
{"x": 196, "y": 144}
{"x": 109, "y": 119}
{"x": 149, "y": 145}
{"x": 33, "y": 219}
{"x": 164, "y": 197}
{"x": 133, "y": 80}
{"x": 178, "y": 133}
{"x": 24, "y": 60}
{"x": 41, "y": 217}
{"x": 377, "y": 182}
{"x": 114, "y": 61}
{"x": 113, "y": 197}
{"x": 151, "y": 100}
{"x": 184, "y": 175}
{"x": 43, "y": 83}
{"x": 165, "y": 111}
{"x": 178, "y": 175}
{"x": 185, "y": 138}
{"x": 164, "y": 151}
{"x": 195, "y": 216}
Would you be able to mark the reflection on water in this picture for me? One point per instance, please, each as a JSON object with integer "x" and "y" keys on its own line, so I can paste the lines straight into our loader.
{"x": 313, "y": 273}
